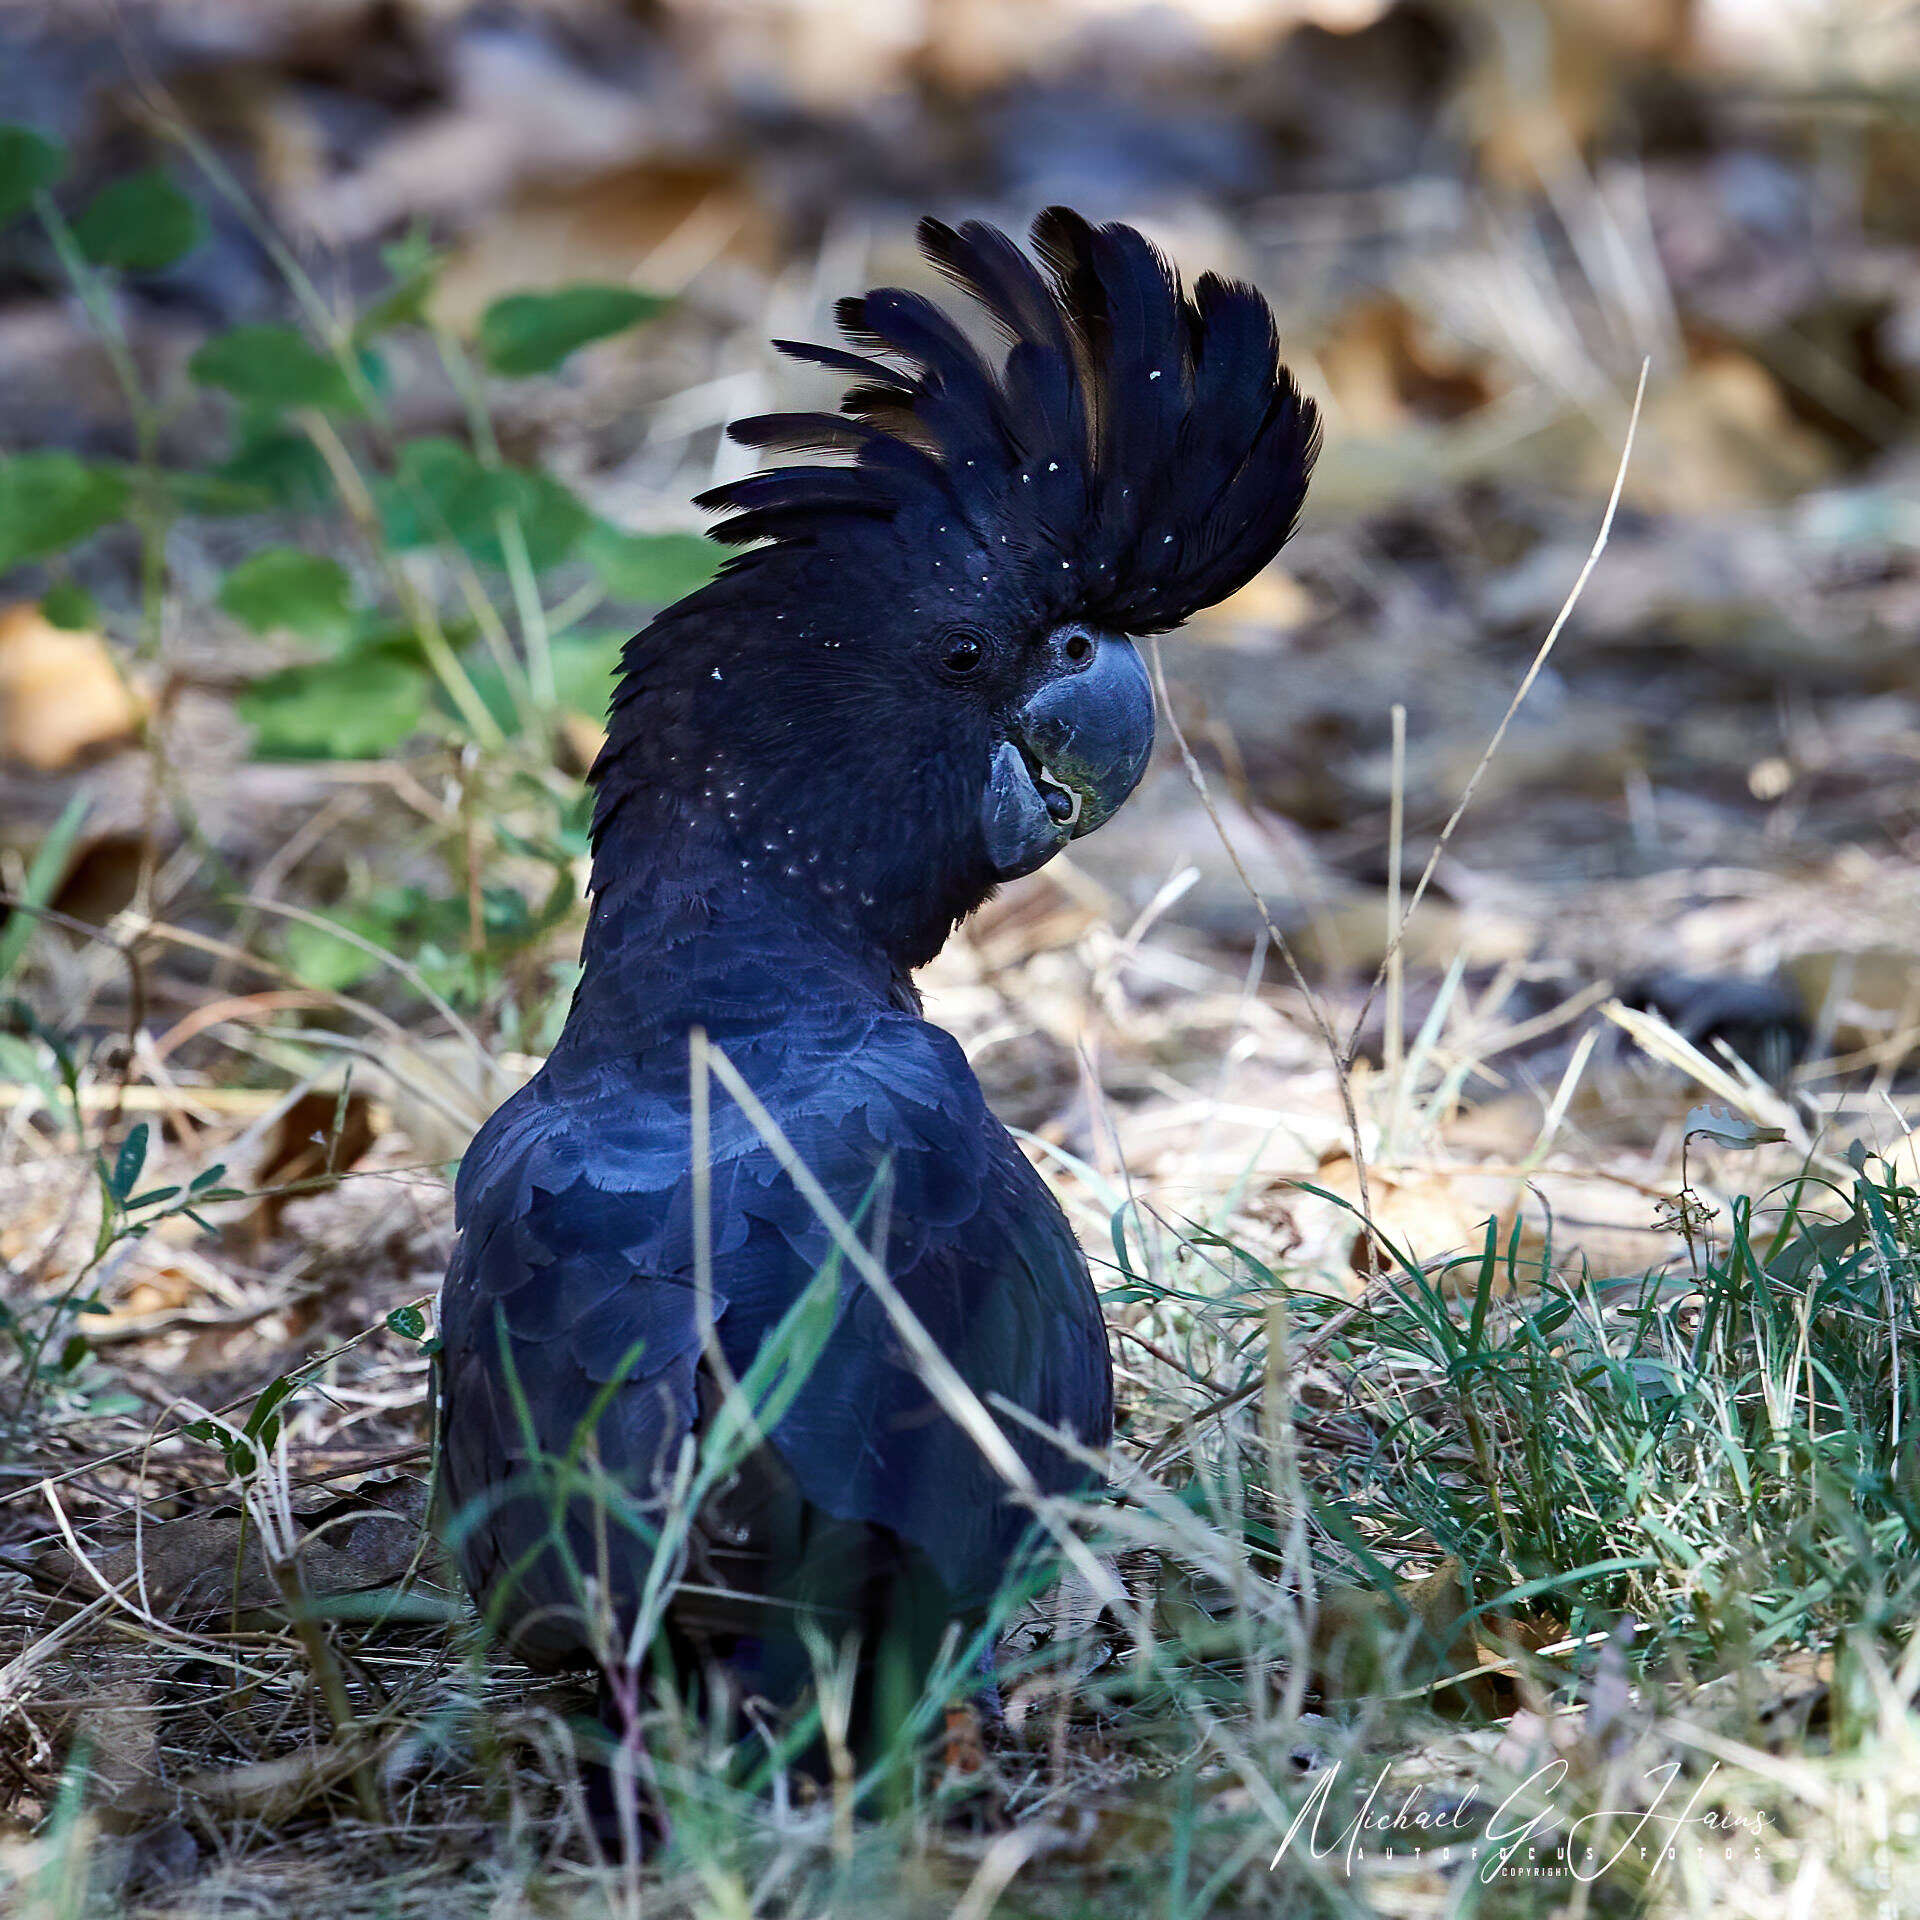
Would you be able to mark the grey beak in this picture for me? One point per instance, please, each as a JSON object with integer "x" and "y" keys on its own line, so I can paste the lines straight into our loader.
{"x": 1074, "y": 752}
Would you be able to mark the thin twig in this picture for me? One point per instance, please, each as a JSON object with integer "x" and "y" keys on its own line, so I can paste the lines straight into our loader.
{"x": 1527, "y": 679}
{"x": 1342, "y": 1064}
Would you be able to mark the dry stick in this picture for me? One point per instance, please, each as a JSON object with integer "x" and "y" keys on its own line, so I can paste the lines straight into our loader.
{"x": 230, "y": 1406}
{"x": 1341, "y": 1065}
{"x": 404, "y": 968}
{"x": 1506, "y": 719}
{"x": 1393, "y": 1048}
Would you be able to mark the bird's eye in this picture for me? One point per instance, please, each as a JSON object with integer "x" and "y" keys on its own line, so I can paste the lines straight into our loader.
{"x": 963, "y": 655}
{"x": 1079, "y": 648}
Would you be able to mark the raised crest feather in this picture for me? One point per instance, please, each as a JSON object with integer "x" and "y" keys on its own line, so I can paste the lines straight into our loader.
{"x": 1139, "y": 452}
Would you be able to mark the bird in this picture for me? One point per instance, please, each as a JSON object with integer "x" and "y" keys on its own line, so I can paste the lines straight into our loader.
{"x": 750, "y": 1167}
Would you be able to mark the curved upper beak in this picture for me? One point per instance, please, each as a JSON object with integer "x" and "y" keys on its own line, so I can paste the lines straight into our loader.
{"x": 1073, "y": 753}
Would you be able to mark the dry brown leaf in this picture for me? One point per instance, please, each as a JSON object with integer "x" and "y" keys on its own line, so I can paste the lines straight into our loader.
{"x": 61, "y": 695}
{"x": 1388, "y": 368}
{"x": 1430, "y": 1216}
{"x": 267, "y": 1791}
{"x": 1720, "y": 436}
{"x": 1360, "y": 1639}
{"x": 655, "y": 226}
{"x": 210, "y": 1563}
{"x": 318, "y": 1138}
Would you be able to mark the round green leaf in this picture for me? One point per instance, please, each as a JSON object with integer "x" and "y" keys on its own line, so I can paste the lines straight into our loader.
{"x": 28, "y": 162}
{"x": 272, "y": 464}
{"x": 274, "y": 366}
{"x": 409, "y": 1322}
{"x": 442, "y": 491}
{"x": 356, "y": 708}
{"x": 285, "y": 588}
{"x": 49, "y": 501}
{"x": 533, "y": 332}
{"x": 654, "y": 569}
{"x": 143, "y": 224}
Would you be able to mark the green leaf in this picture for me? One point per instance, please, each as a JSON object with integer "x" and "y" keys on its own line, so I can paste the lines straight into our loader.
{"x": 68, "y": 604}
{"x": 28, "y": 162}
{"x": 272, "y": 1396}
{"x": 442, "y": 491}
{"x": 43, "y": 876}
{"x": 355, "y": 708}
{"x": 273, "y": 366}
{"x": 408, "y": 1322}
{"x": 128, "y": 1162}
{"x": 48, "y": 869}
{"x": 533, "y": 332}
{"x": 653, "y": 569}
{"x": 584, "y": 666}
{"x": 273, "y": 462}
{"x": 142, "y": 224}
{"x": 324, "y": 960}
{"x": 49, "y": 501}
{"x": 415, "y": 266}
{"x": 282, "y": 587}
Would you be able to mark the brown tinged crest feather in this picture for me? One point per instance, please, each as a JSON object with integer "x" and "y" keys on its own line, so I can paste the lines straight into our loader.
{"x": 1140, "y": 453}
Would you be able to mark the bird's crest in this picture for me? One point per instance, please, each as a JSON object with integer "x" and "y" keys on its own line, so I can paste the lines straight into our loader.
{"x": 1141, "y": 453}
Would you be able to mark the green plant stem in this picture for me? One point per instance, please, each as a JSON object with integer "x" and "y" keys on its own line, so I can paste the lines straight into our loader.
{"x": 535, "y": 637}
{"x": 148, "y": 516}
{"x": 332, "y": 1684}
{"x": 421, "y": 613}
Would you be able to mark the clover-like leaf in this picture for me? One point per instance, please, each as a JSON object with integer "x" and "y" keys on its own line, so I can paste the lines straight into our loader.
{"x": 408, "y": 1322}
{"x": 281, "y": 587}
{"x": 142, "y": 224}
{"x": 50, "y": 501}
{"x": 354, "y": 708}
{"x": 442, "y": 491}
{"x": 528, "y": 333}
{"x": 28, "y": 162}
{"x": 273, "y": 366}
{"x": 652, "y": 569}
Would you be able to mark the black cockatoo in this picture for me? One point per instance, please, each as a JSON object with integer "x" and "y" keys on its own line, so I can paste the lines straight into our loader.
{"x": 917, "y": 680}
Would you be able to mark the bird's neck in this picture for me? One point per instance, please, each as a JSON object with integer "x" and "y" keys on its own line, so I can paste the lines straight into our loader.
{"x": 684, "y": 935}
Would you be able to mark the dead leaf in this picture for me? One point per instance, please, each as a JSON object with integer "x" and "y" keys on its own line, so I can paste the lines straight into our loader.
{"x": 1432, "y": 1217}
{"x": 1388, "y": 368}
{"x": 210, "y": 1563}
{"x": 267, "y": 1791}
{"x": 61, "y": 695}
{"x": 318, "y": 1138}
{"x": 1722, "y": 435}
{"x": 1366, "y": 1641}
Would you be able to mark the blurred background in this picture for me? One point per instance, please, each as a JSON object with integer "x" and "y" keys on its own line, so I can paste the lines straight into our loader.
{"x": 1476, "y": 218}
{"x": 358, "y": 362}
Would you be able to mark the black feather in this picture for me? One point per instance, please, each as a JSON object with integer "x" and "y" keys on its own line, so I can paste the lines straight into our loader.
{"x": 1140, "y": 453}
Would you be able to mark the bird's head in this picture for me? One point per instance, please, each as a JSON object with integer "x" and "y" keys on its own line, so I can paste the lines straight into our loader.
{"x": 919, "y": 679}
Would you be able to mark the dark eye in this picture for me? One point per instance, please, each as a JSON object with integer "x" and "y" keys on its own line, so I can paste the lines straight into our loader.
{"x": 963, "y": 655}
{"x": 1079, "y": 648}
